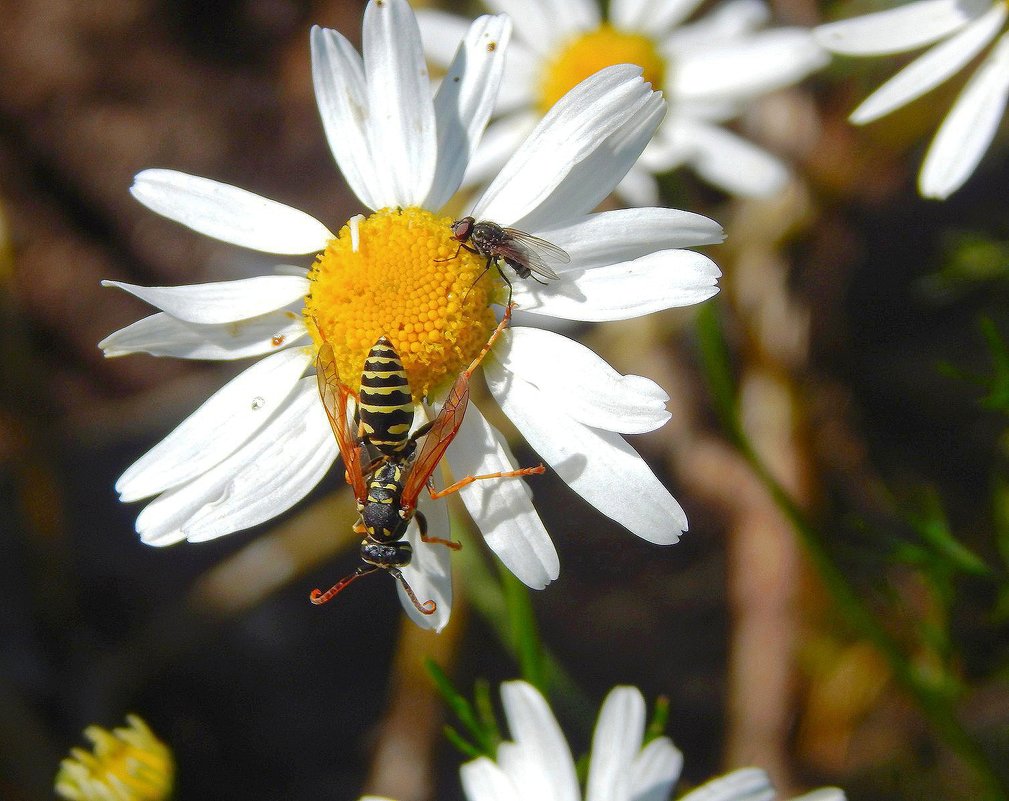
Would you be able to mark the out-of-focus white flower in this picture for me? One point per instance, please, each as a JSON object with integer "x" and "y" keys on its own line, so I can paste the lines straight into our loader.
{"x": 709, "y": 71}
{"x": 263, "y": 441}
{"x": 958, "y": 31}
{"x": 537, "y": 765}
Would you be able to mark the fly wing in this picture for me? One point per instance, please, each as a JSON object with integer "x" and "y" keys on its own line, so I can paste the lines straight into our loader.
{"x": 437, "y": 440}
{"x": 334, "y": 399}
{"x": 535, "y": 252}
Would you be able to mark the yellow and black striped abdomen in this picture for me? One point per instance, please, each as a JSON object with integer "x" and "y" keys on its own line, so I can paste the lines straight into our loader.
{"x": 386, "y": 406}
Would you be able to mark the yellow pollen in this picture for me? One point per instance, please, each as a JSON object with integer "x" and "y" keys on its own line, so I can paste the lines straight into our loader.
{"x": 126, "y": 763}
{"x": 591, "y": 52}
{"x": 403, "y": 280}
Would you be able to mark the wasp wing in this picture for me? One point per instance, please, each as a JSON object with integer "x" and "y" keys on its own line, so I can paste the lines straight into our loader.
{"x": 334, "y": 399}
{"x": 437, "y": 440}
{"x": 534, "y": 252}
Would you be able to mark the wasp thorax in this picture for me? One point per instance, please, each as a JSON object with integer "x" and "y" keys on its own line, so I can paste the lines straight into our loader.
{"x": 397, "y": 278}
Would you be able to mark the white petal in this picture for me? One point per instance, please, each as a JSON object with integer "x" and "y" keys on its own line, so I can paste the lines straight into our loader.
{"x": 725, "y": 22}
{"x": 430, "y": 571}
{"x": 931, "y": 69}
{"x": 541, "y": 754}
{"x": 164, "y": 335}
{"x": 969, "y": 127}
{"x": 262, "y": 479}
{"x": 341, "y": 94}
{"x": 624, "y": 234}
{"x": 575, "y": 379}
{"x": 600, "y": 108}
{"x": 598, "y": 465}
{"x": 657, "y": 281}
{"x": 545, "y": 25}
{"x": 655, "y": 771}
{"x": 401, "y": 123}
{"x": 228, "y": 213}
{"x": 482, "y": 780}
{"x": 899, "y": 29}
{"x": 595, "y": 177}
{"x": 502, "y": 507}
{"x": 500, "y": 141}
{"x": 441, "y": 33}
{"x": 221, "y": 301}
{"x": 669, "y": 148}
{"x": 518, "y": 89}
{"x": 465, "y": 101}
{"x": 747, "y": 67}
{"x": 732, "y": 163}
{"x": 747, "y": 784}
{"x": 653, "y": 16}
{"x": 214, "y": 431}
{"x": 639, "y": 187}
{"x": 823, "y": 794}
{"x": 615, "y": 743}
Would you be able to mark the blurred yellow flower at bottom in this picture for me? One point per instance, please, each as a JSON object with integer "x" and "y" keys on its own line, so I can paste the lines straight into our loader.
{"x": 126, "y": 764}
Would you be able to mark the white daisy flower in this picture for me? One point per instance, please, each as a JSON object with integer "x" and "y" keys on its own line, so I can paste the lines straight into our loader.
{"x": 958, "y": 32}
{"x": 536, "y": 765}
{"x": 263, "y": 441}
{"x": 709, "y": 71}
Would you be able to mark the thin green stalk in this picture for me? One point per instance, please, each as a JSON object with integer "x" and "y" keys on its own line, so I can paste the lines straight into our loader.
{"x": 933, "y": 700}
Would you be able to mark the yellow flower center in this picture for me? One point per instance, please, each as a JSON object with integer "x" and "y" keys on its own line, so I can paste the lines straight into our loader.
{"x": 397, "y": 274}
{"x": 128, "y": 763}
{"x": 591, "y": 52}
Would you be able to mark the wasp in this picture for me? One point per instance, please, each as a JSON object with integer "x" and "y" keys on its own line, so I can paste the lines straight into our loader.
{"x": 526, "y": 254}
{"x": 387, "y": 486}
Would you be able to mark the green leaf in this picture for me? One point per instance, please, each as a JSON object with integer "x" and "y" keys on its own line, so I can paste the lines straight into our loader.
{"x": 463, "y": 745}
{"x": 998, "y": 382}
{"x": 524, "y": 631}
{"x": 660, "y": 716}
{"x": 485, "y": 711}
{"x": 462, "y": 709}
{"x": 930, "y": 523}
{"x": 717, "y": 366}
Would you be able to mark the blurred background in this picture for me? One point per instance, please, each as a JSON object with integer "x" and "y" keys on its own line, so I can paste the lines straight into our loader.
{"x": 864, "y": 334}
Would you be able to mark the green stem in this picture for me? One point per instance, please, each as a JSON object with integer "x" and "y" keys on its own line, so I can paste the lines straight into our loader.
{"x": 933, "y": 700}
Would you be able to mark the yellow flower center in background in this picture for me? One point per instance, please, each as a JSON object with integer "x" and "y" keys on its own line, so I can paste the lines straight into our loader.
{"x": 591, "y": 52}
{"x": 127, "y": 763}
{"x": 404, "y": 281}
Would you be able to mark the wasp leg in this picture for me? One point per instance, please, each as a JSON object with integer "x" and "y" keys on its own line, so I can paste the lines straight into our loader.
{"x": 490, "y": 342}
{"x": 416, "y": 435}
{"x": 318, "y": 597}
{"x": 427, "y": 608}
{"x": 422, "y": 525}
{"x": 465, "y": 482}
{"x": 372, "y": 466}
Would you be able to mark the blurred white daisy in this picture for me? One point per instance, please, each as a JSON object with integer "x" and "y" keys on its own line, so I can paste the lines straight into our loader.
{"x": 709, "y": 71}
{"x": 536, "y": 765}
{"x": 263, "y": 441}
{"x": 958, "y": 30}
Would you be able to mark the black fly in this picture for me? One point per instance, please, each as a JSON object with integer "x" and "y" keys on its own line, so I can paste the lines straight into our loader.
{"x": 526, "y": 254}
